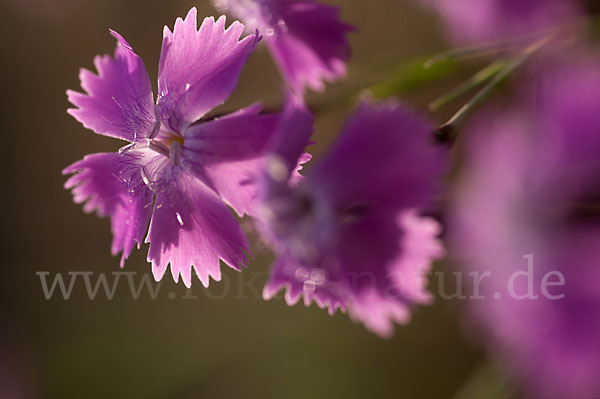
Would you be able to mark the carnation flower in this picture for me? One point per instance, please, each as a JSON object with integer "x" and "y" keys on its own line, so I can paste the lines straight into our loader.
{"x": 178, "y": 171}
{"x": 350, "y": 234}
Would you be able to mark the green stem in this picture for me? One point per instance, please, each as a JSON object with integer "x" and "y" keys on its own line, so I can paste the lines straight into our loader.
{"x": 479, "y": 78}
{"x": 492, "y": 85}
{"x": 483, "y": 50}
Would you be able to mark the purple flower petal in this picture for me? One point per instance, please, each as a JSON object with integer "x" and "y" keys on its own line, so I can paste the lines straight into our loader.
{"x": 476, "y": 21}
{"x": 349, "y": 235}
{"x": 118, "y": 101}
{"x": 303, "y": 282}
{"x": 377, "y": 312}
{"x": 419, "y": 245}
{"x": 229, "y": 153}
{"x": 527, "y": 203}
{"x": 568, "y": 96}
{"x": 374, "y": 296}
{"x": 293, "y": 136}
{"x": 312, "y": 45}
{"x": 111, "y": 185}
{"x": 394, "y": 162}
{"x": 307, "y": 39}
{"x": 192, "y": 228}
{"x": 185, "y": 93}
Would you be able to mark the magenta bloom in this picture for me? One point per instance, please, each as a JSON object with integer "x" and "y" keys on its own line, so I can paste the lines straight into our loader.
{"x": 349, "y": 235}
{"x": 306, "y": 39}
{"x": 475, "y": 21}
{"x": 528, "y": 203}
{"x": 177, "y": 173}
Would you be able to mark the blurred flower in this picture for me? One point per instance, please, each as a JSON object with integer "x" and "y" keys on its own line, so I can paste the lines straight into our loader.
{"x": 306, "y": 39}
{"x": 175, "y": 171}
{"x": 349, "y": 235}
{"x": 526, "y": 214}
{"x": 476, "y": 21}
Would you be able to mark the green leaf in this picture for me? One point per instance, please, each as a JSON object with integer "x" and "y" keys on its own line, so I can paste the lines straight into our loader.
{"x": 412, "y": 75}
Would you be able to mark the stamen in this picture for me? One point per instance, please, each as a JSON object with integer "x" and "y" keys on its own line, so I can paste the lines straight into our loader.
{"x": 127, "y": 147}
{"x": 145, "y": 177}
{"x": 156, "y": 126}
{"x": 159, "y": 147}
{"x": 154, "y": 131}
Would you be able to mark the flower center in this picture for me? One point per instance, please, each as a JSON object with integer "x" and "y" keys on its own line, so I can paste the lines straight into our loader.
{"x": 168, "y": 145}
{"x": 173, "y": 138}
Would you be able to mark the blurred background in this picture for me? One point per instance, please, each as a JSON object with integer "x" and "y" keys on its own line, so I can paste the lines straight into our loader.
{"x": 224, "y": 342}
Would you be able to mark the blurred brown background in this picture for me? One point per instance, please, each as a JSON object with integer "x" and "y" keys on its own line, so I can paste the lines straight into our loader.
{"x": 229, "y": 343}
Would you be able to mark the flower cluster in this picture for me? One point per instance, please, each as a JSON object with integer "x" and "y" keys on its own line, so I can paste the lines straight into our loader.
{"x": 181, "y": 169}
{"x": 355, "y": 232}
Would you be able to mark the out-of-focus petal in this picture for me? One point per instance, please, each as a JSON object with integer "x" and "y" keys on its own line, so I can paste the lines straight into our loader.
{"x": 395, "y": 162}
{"x": 378, "y": 312}
{"x": 373, "y": 294}
{"x": 185, "y": 93}
{"x": 307, "y": 282}
{"x": 420, "y": 246}
{"x": 118, "y": 101}
{"x": 310, "y": 44}
{"x": 191, "y": 228}
{"x": 307, "y": 39}
{"x": 387, "y": 259}
{"x": 476, "y": 21}
{"x": 526, "y": 208}
{"x": 295, "y": 128}
{"x": 111, "y": 185}
{"x": 567, "y": 97}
